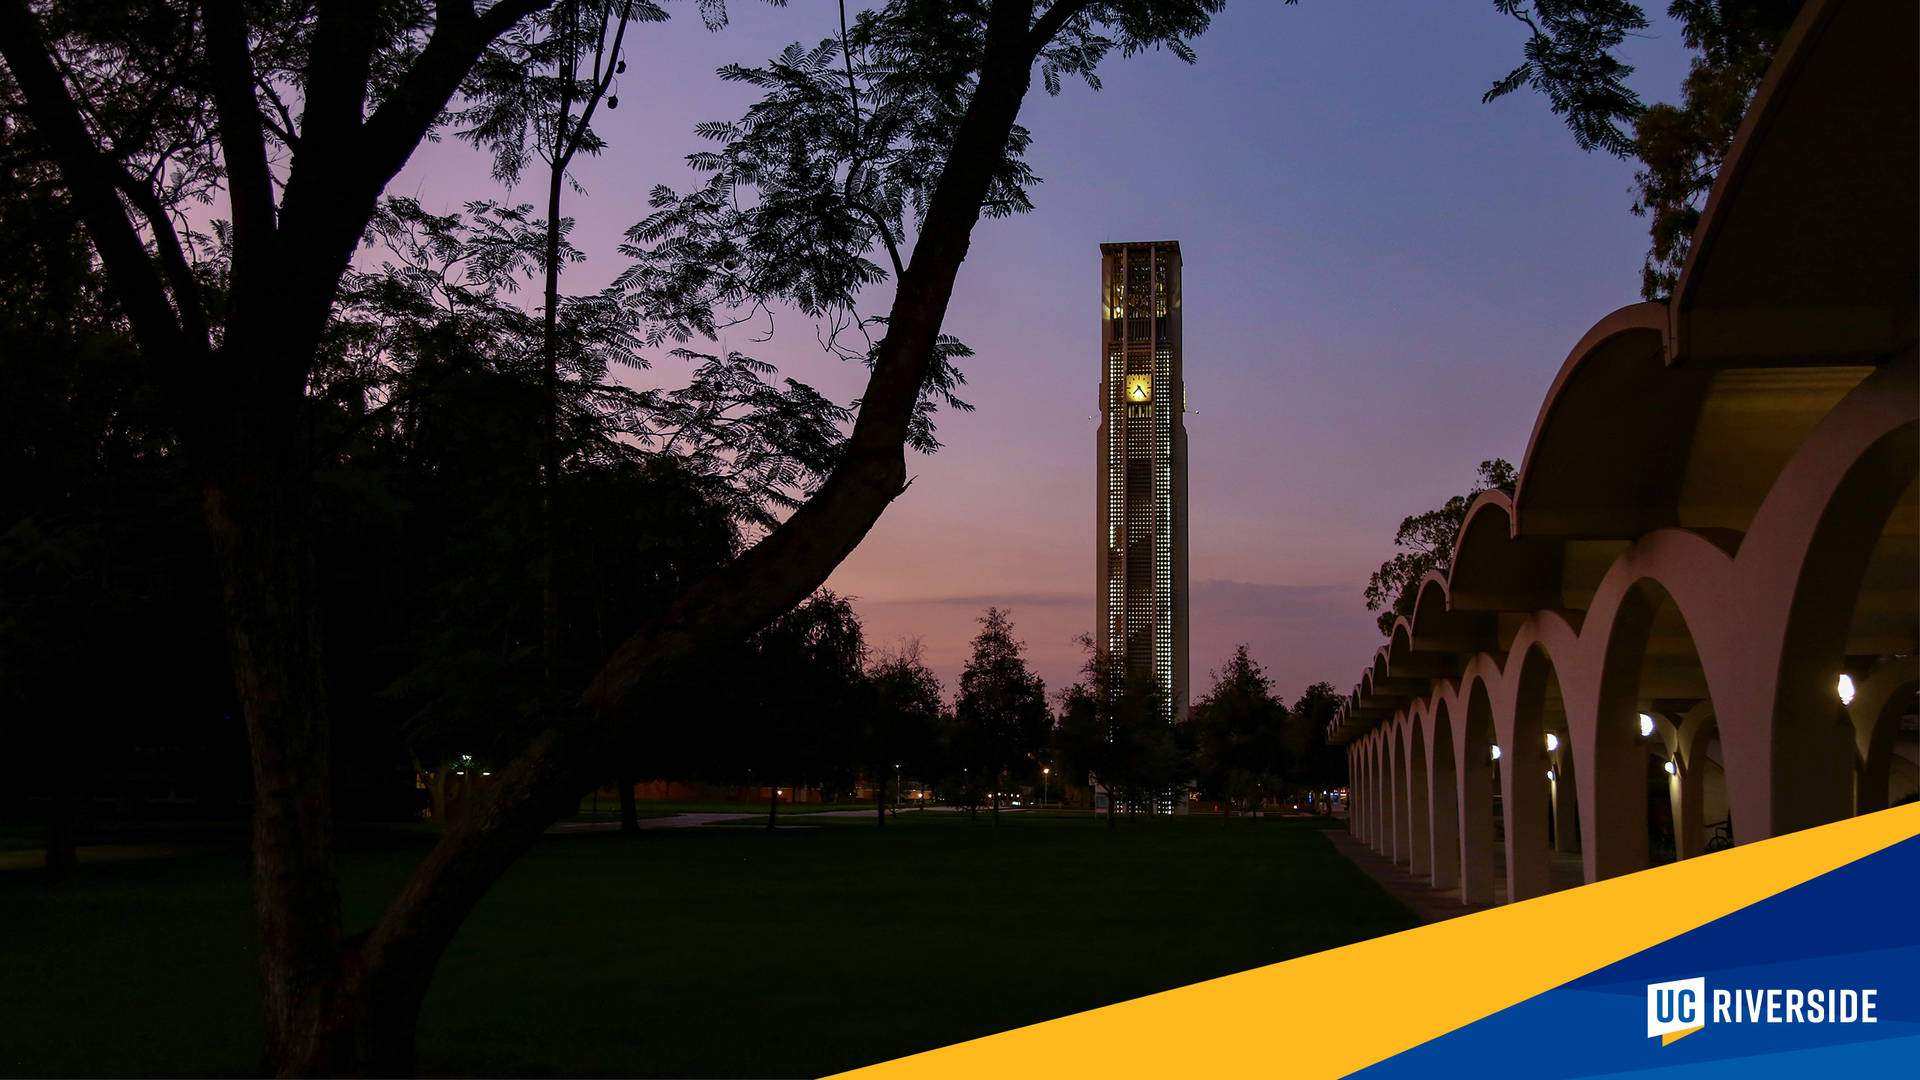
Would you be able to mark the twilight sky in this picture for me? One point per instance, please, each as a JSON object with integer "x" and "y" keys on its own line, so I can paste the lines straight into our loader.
{"x": 1382, "y": 276}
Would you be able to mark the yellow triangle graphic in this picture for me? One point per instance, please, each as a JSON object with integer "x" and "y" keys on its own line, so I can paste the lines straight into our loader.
{"x": 1673, "y": 1036}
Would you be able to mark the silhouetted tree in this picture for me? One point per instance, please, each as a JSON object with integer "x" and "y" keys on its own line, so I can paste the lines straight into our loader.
{"x": 538, "y": 88}
{"x": 1680, "y": 147}
{"x": 902, "y": 720}
{"x": 1240, "y": 752}
{"x": 799, "y": 696}
{"x": 235, "y": 363}
{"x": 1311, "y": 762}
{"x": 1113, "y": 728}
{"x": 1082, "y": 738}
{"x": 1428, "y": 540}
{"x": 102, "y": 564}
{"x": 1001, "y": 717}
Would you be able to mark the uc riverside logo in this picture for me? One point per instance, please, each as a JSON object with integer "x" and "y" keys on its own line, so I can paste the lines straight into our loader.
{"x": 1679, "y": 1008}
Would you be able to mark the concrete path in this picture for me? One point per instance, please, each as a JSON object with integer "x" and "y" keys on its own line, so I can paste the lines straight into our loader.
{"x": 686, "y": 821}
{"x": 677, "y": 821}
{"x": 1431, "y": 905}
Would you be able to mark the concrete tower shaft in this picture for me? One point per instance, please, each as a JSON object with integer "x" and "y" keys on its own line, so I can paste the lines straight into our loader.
{"x": 1140, "y": 548}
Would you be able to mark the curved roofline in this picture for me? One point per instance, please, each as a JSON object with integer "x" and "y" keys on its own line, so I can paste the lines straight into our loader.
{"x": 1788, "y": 60}
{"x": 1646, "y": 315}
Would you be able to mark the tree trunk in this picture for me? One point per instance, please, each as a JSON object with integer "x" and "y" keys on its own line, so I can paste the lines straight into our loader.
{"x": 256, "y": 515}
{"x": 773, "y": 807}
{"x": 629, "y": 812}
{"x": 371, "y": 1013}
{"x": 880, "y": 801}
{"x": 1110, "y": 812}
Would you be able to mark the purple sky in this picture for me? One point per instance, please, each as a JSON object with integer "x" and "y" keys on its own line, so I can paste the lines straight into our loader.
{"x": 1382, "y": 276}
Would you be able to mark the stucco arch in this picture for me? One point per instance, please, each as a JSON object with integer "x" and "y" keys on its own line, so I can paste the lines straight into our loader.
{"x": 1728, "y": 478}
{"x": 1613, "y": 391}
{"x": 1537, "y": 689}
{"x": 1881, "y": 697}
{"x": 1662, "y": 588}
{"x": 1818, "y": 530}
{"x": 1697, "y": 731}
{"x": 1418, "y": 795}
{"x": 1397, "y": 789}
{"x": 1382, "y": 838}
{"x": 1493, "y": 569}
{"x": 1443, "y": 813}
{"x": 1480, "y": 822}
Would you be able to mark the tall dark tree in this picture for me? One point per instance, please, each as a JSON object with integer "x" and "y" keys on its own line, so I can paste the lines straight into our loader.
{"x": 902, "y": 720}
{"x": 537, "y": 89}
{"x": 800, "y": 691}
{"x": 1001, "y": 717}
{"x": 1426, "y": 542}
{"x": 235, "y": 364}
{"x": 1312, "y": 764}
{"x": 1081, "y": 742}
{"x": 1113, "y": 730}
{"x": 1239, "y": 727}
{"x": 101, "y": 560}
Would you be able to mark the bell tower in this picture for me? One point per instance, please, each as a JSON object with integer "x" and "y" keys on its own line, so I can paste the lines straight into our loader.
{"x": 1141, "y": 543}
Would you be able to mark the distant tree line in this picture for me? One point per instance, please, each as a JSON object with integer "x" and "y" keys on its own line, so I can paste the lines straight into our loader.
{"x": 805, "y": 704}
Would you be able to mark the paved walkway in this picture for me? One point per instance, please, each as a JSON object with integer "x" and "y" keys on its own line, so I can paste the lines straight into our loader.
{"x": 1434, "y": 905}
{"x": 675, "y": 821}
{"x": 1428, "y": 903}
{"x": 684, "y": 821}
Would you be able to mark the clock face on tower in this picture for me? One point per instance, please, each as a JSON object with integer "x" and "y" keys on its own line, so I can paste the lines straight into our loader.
{"x": 1139, "y": 388}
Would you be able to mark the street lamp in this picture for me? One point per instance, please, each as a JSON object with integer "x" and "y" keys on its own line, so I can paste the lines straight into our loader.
{"x": 1045, "y": 773}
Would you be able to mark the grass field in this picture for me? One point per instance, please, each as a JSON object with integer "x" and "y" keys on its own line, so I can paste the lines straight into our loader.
{"x": 698, "y": 951}
{"x": 609, "y": 809}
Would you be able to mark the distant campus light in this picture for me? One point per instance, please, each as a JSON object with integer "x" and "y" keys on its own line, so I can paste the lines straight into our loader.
{"x": 1671, "y": 771}
{"x": 1549, "y": 775}
{"x": 1646, "y": 725}
{"x": 1845, "y": 688}
{"x": 1553, "y": 742}
{"x": 1496, "y": 752}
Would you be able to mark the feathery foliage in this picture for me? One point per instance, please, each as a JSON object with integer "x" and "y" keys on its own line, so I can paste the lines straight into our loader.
{"x": 1427, "y": 542}
{"x": 1571, "y": 58}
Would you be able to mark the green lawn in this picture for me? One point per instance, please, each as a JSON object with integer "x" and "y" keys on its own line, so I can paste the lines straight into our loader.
{"x": 701, "y": 951}
{"x": 609, "y": 809}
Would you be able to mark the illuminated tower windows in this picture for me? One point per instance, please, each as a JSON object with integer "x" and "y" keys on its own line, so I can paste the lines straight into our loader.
{"x": 1141, "y": 539}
